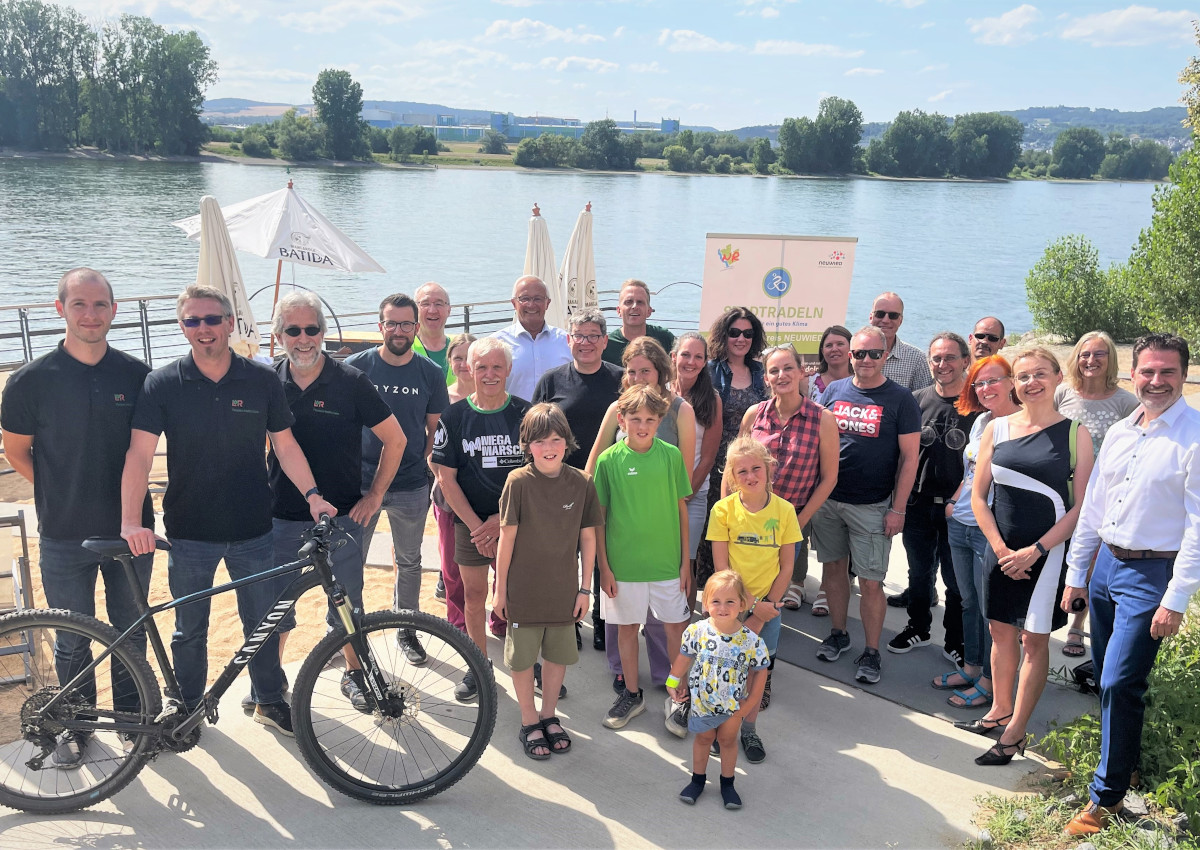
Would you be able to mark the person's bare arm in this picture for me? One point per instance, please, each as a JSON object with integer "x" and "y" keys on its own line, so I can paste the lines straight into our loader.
{"x": 686, "y": 422}
{"x": 18, "y": 451}
{"x": 605, "y": 437}
{"x": 134, "y": 480}
{"x": 608, "y": 582}
{"x": 508, "y": 541}
{"x": 906, "y": 475}
{"x": 708, "y": 450}
{"x": 587, "y": 558}
{"x": 394, "y": 442}
{"x": 431, "y": 423}
{"x": 829, "y": 450}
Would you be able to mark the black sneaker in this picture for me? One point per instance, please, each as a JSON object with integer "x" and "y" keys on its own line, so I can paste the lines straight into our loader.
{"x": 352, "y": 689}
{"x": 626, "y": 707}
{"x": 68, "y": 755}
{"x": 753, "y": 745}
{"x": 537, "y": 682}
{"x": 466, "y": 690}
{"x": 832, "y": 647}
{"x": 869, "y": 665}
{"x": 954, "y": 654}
{"x": 276, "y": 715}
{"x": 408, "y": 641}
{"x": 439, "y": 592}
{"x": 908, "y": 640}
{"x": 248, "y": 702}
{"x": 900, "y": 600}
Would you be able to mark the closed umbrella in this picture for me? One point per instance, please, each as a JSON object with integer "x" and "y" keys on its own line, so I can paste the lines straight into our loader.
{"x": 539, "y": 261}
{"x": 219, "y": 269}
{"x": 578, "y": 273}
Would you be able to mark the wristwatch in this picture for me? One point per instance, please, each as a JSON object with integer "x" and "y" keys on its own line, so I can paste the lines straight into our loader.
{"x": 312, "y": 491}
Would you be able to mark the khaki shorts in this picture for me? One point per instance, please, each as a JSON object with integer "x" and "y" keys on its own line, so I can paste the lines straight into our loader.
{"x": 465, "y": 553}
{"x": 841, "y": 530}
{"x": 556, "y": 644}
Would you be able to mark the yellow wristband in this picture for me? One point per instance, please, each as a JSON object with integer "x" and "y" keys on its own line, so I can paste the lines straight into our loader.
{"x": 672, "y": 681}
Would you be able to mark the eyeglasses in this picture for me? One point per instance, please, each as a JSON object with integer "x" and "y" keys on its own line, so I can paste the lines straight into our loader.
{"x": 1093, "y": 355}
{"x": 987, "y": 382}
{"x": 194, "y": 321}
{"x": 864, "y": 353}
{"x": 308, "y": 330}
{"x": 586, "y": 337}
{"x": 1026, "y": 377}
{"x": 938, "y": 360}
{"x": 434, "y": 305}
{"x": 737, "y": 333}
{"x": 532, "y": 299}
{"x": 407, "y": 327}
{"x": 889, "y": 314}
{"x": 989, "y": 337}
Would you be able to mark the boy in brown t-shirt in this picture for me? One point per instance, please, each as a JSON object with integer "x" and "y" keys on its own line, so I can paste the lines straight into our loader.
{"x": 548, "y": 512}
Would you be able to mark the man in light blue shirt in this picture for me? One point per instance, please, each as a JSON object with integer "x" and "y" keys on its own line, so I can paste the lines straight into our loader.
{"x": 536, "y": 346}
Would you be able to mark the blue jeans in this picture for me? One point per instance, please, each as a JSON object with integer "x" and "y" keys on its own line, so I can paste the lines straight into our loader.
{"x": 191, "y": 566}
{"x": 69, "y": 579}
{"x": 406, "y": 510}
{"x": 967, "y": 548}
{"x": 347, "y": 560}
{"x": 1123, "y": 597}
{"x": 770, "y": 634}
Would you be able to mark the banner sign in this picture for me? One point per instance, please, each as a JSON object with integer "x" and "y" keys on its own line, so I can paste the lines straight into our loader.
{"x": 796, "y": 285}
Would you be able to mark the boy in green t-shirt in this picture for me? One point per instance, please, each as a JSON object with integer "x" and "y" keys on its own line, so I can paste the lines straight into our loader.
{"x": 642, "y": 484}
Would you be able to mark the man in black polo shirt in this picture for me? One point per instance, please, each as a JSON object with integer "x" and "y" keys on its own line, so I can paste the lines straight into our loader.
{"x": 332, "y": 403}
{"x": 65, "y": 420}
{"x": 216, "y": 409}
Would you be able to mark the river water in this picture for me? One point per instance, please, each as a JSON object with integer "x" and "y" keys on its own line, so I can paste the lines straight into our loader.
{"x": 954, "y": 251}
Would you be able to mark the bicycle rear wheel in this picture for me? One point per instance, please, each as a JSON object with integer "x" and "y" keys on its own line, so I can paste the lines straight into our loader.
{"x": 418, "y": 745}
{"x": 121, "y": 690}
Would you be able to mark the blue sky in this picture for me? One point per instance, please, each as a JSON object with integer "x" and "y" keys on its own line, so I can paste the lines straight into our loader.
{"x": 724, "y": 63}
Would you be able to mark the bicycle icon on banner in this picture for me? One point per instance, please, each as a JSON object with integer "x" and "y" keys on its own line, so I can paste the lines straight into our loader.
{"x": 777, "y": 282}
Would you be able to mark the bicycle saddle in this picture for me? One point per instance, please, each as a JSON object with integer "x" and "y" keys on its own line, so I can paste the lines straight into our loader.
{"x": 111, "y": 547}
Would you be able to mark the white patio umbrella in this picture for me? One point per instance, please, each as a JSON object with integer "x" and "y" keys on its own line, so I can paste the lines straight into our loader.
{"x": 539, "y": 260}
{"x": 218, "y": 268}
{"x": 578, "y": 273}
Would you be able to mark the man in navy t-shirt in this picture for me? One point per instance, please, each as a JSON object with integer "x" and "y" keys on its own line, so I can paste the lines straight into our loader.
{"x": 880, "y": 426}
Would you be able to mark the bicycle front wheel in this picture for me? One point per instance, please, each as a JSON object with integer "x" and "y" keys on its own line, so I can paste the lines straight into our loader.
{"x": 41, "y": 652}
{"x": 422, "y": 740}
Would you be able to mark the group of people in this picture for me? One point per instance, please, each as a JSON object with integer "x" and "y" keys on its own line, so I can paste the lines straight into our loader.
{"x": 616, "y": 474}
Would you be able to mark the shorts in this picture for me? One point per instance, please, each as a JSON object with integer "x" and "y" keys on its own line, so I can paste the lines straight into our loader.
{"x": 706, "y": 722}
{"x": 522, "y": 645}
{"x": 840, "y": 529}
{"x": 465, "y": 553}
{"x": 664, "y": 599}
{"x": 770, "y": 634}
{"x": 697, "y": 508}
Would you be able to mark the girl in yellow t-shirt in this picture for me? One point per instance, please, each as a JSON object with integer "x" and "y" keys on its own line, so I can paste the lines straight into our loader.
{"x": 754, "y": 533}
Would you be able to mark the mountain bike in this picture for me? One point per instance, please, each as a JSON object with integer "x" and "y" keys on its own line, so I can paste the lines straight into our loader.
{"x": 398, "y": 736}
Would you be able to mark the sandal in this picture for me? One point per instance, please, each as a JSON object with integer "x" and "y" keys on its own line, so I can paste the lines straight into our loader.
{"x": 820, "y": 606}
{"x": 981, "y": 698}
{"x": 533, "y": 744}
{"x": 794, "y": 598}
{"x": 942, "y": 683}
{"x": 556, "y": 738}
{"x": 1074, "y": 648}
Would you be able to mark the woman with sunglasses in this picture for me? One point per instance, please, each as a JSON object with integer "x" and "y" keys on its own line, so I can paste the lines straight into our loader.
{"x": 1026, "y": 456}
{"x": 833, "y": 352}
{"x": 1091, "y": 395}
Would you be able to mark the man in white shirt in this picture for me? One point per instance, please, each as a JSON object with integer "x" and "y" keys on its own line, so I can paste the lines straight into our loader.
{"x": 536, "y": 346}
{"x": 1141, "y": 520}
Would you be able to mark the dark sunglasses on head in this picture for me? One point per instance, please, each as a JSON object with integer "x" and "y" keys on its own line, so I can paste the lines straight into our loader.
{"x": 734, "y": 333}
{"x": 310, "y": 330}
{"x": 890, "y": 314}
{"x": 988, "y": 337}
{"x": 863, "y": 353}
{"x": 194, "y": 321}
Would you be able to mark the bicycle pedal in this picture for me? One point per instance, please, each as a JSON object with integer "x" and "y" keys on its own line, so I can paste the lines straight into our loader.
{"x": 169, "y": 710}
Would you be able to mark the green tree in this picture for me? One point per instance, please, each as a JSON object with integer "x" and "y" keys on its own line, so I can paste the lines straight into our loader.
{"x": 837, "y": 132}
{"x": 493, "y": 142}
{"x": 920, "y": 144}
{"x": 724, "y": 164}
{"x": 254, "y": 142}
{"x": 297, "y": 136}
{"x": 338, "y": 101}
{"x": 546, "y": 151}
{"x": 879, "y": 159}
{"x": 377, "y": 140}
{"x": 1078, "y": 153}
{"x": 678, "y": 158}
{"x": 1069, "y": 294}
{"x": 797, "y": 145}
{"x": 762, "y": 155}
{"x": 986, "y": 144}
{"x": 604, "y": 146}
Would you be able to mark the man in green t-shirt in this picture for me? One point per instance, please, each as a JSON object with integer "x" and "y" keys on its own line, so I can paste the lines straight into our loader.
{"x": 633, "y": 306}
{"x": 433, "y": 309}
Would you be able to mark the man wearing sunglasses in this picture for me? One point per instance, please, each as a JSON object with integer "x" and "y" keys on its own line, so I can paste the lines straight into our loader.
{"x": 415, "y": 389}
{"x": 904, "y": 363}
{"x": 536, "y": 346}
{"x": 633, "y": 307}
{"x": 987, "y": 338}
{"x": 880, "y": 432}
{"x": 333, "y": 404}
{"x": 216, "y": 409}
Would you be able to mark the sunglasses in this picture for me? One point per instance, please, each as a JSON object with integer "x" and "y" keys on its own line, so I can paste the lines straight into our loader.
{"x": 988, "y": 337}
{"x": 890, "y": 314}
{"x": 864, "y": 353}
{"x": 735, "y": 333}
{"x": 195, "y": 321}
{"x": 309, "y": 330}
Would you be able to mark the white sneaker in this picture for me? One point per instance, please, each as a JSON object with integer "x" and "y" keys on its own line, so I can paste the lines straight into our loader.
{"x": 677, "y": 717}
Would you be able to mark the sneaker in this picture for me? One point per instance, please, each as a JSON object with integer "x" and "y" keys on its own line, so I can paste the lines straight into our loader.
{"x": 68, "y": 755}
{"x": 618, "y": 684}
{"x": 537, "y": 682}
{"x": 626, "y": 707}
{"x": 832, "y": 647}
{"x": 248, "y": 703}
{"x": 352, "y": 682}
{"x": 753, "y": 745}
{"x": 276, "y": 715}
{"x": 408, "y": 641}
{"x": 766, "y": 697}
{"x": 598, "y": 642}
{"x": 954, "y": 654}
{"x": 439, "y": 592}
{"x": 869, "y": 665}
{"x": 715, "y": 748}
{"x": 466, "y": 690}
{"x": 900, "y": 600}
{"x": 677, "y": 717}
{"x": 907, "y": 640}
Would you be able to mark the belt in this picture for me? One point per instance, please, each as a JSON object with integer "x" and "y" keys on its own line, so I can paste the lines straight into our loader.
{"x": 1141, "y": 554}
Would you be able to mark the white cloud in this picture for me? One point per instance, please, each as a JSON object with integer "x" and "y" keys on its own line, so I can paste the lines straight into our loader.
{"x": 1136, "y": 26}
{"x": 335, "y": 16}
{"x": 460, "y": 52}
{"x": 646, "y": 68}
{"x": 690, "y": 41}
{"x": 618, "y": 32}
{"x": 942, "y": 95}
{"x": 578, "y": 63}
{"x": 531, "y": 30}
{"x": 1009, "y": 29}
{"x": 928, "y": 68}
{"x": 863, "y": 72}
{"x": 928, "y": 25}
{"x": 800, "y": 48}
{"x": 770, "y": 12}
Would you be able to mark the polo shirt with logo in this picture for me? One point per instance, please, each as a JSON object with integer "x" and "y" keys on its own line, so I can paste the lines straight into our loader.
{"x": 216, "y": 432}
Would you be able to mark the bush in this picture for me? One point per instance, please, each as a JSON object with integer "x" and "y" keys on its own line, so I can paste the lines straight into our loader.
{"x": 1069, "y": 294}
{"x": 254, "y": 143}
